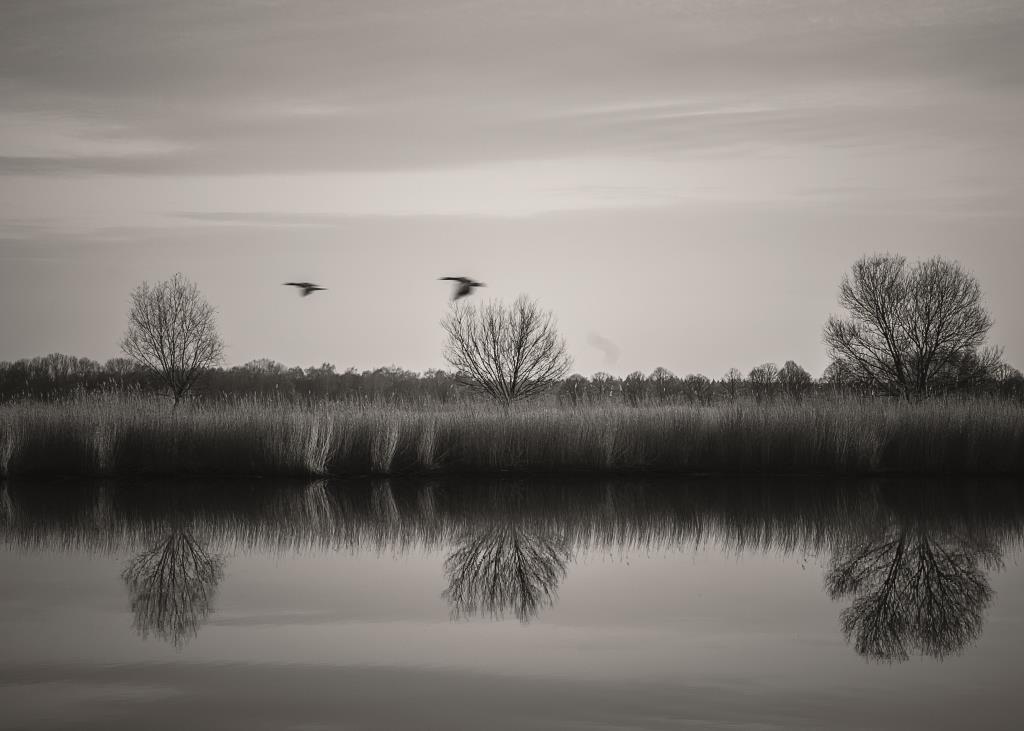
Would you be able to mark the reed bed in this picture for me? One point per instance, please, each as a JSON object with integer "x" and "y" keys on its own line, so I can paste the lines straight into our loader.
{"x": 132, "y": 435}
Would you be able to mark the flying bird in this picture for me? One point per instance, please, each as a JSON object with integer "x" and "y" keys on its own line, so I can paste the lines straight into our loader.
{"x": 307, "y": 287}
{"x": 463, "y": 286}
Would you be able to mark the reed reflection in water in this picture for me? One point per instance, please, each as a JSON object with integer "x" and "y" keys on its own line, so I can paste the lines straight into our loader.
{"x": 911, "y": 560}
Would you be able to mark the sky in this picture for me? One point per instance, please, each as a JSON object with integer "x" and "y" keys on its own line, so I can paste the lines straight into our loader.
{"x": 683, "y": 183}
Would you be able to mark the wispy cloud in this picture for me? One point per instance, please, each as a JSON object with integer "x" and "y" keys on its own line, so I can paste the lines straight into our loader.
{"x": 201, "y": 88}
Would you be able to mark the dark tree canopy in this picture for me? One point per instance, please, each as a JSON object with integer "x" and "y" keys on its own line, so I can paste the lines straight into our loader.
{"x": 911, "y": 329}
{"x": 172, "y": 331}
{"x": 508, "y": 352}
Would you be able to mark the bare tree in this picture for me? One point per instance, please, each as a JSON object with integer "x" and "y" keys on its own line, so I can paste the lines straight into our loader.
{"x": 697, "y": 387}
{"x": 908, "y": 326}
{"x": 794, "y": 379}
{"x": 575, "y": 389}
{"x": 662, "y": 383}
{"x": 763, "y": 379}
{"x": 634, "y": 388}
{"x": 172, "y": 330}
{"x": 508, "y": 352}
{"x": 733, "y": 381}
{"x": 605, "y": 384}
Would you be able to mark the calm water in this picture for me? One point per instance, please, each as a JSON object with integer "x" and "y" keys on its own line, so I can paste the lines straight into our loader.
{"x": 703, "y": 604}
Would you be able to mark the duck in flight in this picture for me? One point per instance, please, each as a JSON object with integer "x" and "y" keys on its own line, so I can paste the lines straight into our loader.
{"x": 463, "y": 286}
{"x": 307, "y": 287}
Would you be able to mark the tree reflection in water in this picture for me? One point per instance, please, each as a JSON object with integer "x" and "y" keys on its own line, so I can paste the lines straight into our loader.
{"x": 505, "y": 568}
{"x": 912, "y": 592}
{"x": 909, "y": 556}
{"x": 172, "y": 586}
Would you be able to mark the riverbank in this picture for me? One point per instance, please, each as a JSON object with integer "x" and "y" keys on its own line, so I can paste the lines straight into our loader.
{"x": 125, "y": 436}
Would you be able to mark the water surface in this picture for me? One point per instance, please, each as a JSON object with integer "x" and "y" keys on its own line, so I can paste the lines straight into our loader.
{"x": 511, "y": 604}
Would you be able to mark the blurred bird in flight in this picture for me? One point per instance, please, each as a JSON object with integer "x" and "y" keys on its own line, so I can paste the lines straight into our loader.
{"x": 307, "y": 287}
{"x": 463, "y": 286}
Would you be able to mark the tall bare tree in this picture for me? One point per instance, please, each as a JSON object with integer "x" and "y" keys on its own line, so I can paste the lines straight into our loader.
{"x": 908, "y": 327}
{"x": 172, "y": 330}
{"x": 508, "y": 352}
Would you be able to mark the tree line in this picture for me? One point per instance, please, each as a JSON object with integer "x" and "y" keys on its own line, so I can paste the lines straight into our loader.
{"x": 58, "y": 375}
{"x": 909, "y": 330}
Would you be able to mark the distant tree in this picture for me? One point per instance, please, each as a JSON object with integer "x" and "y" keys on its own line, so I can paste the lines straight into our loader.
{"x": 634, "y": 388}
{"x": 265, "y": 366}
{"x": 172, "y": 330}
{"x": 605, "y": 385}
{"x": 733, "y": 381}
{"x": 662, "y": 384}
{"x": 696, "y": 387}
{"x": 794, "y": 380}
{"x": 763, "y": 379}
{"x": 575, "y": 389}
{"x": 836, "y": 377}
{"x": 120, "y": 366}
{"x": 509, "y": 352}
{"x": 439, "y": 384}
{"x": 1010, "y": 382}
{"x": 322, "y": 371}
{"x": 908, "y": 326}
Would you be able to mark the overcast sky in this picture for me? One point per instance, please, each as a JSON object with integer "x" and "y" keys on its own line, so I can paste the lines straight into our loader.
{"x": 683, "y": 183}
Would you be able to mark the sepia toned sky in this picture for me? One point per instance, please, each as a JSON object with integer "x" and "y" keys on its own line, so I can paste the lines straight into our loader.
{"x": 682, "y": 182}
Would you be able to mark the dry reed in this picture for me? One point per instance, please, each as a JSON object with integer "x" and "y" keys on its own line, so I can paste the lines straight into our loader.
{"x": 131, "y": 435}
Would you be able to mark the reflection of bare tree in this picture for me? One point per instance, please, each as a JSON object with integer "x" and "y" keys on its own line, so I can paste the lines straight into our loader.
{"x": 505, "y": 568}
{"x": 912, "y": 592}
{"x": 172, "y": 586}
